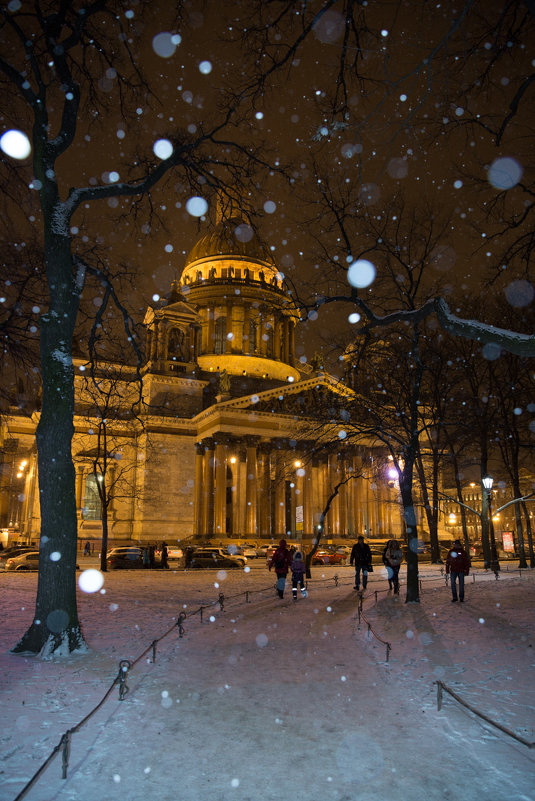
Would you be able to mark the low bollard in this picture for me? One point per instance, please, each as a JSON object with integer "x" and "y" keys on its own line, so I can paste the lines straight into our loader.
{"x": 181, "y": 618}
{"x": 439, "y": 696}
{"x": 65, "y": 753}
{"x": 124, "y": 667}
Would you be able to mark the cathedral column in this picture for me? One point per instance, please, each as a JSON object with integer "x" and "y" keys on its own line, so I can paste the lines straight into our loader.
{"x": 308, "y": 500}
{"x": 333, "y": 478}
{"x": 241, "y": 503}
{"x": 343, "y": 471}
{"x": 220, "y": 507}
{"x": 79, "y": 485}
{"x": 277, "y": 338}
{"x": 198, "y": 491}
{"x": 279, "y": 494}
{"x": 238, "y": 329}
{"x": 264, "y": 491}
{"x": 210, "y": 331}
{"x": 160, "y": 345}
{"x": 250, "y": 488}
{"x": 323, "y": 494}
{"x": 154, "y": 340}
{"x": 291, "y": 342}
{"x": 208, "y": 490}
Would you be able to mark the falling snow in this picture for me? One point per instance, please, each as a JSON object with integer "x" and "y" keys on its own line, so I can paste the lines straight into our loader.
{"x": 273, "y": 682}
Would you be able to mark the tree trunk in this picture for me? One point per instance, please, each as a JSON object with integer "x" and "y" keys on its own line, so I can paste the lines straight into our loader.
{"x": 409, "y": 516}
{"x": 519, "y": 528}
{"x": 529, "y": 535}
{"x": 55, "y": 628}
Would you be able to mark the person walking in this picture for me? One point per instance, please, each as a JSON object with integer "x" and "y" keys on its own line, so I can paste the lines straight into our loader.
{"x": 298, "y": 569}
{"x": 281, "y": 561}
{"x": 146, "y": 560}
{"x": 87, "y": 548}
{"x": 392, "y": 559}
{"x": 163, "y": 558}
{"x": 188, "y": 555}
{"x": 152, "y": 556}
{"x": 457, "y": 567}
{"x": 361, "y": 557}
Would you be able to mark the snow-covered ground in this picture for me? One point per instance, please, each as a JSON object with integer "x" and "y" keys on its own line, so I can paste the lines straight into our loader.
{"x": 274, "y": 700}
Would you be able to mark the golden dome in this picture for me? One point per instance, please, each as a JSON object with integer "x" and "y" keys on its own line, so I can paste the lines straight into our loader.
{"x": 232, "y": 237}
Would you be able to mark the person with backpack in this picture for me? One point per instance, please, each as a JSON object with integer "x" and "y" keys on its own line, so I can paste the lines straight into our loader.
{"x": 361, "y": 555}
{"x": 281, "y": 561}
{"x": 457, "y": 567}
{"x": 392, "y": 559}
{"x": 298, "y": 568}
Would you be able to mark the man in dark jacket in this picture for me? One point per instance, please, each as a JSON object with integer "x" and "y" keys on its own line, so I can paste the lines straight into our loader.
{"x": 361, "y": 556}
{"x": 281, "y": 561}
{"x": 457, "y": 566}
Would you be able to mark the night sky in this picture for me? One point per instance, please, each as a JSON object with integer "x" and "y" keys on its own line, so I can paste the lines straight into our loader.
{"x": 417, "y": 110}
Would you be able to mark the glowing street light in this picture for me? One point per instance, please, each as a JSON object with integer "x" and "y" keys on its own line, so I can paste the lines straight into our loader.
{"x": 486, "y": 518}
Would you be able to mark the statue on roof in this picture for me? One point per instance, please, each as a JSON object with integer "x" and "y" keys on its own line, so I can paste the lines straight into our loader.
{"x": 224, "y": 383}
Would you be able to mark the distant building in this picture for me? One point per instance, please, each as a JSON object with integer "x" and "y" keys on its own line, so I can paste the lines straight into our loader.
{"x": 223, "y": 444}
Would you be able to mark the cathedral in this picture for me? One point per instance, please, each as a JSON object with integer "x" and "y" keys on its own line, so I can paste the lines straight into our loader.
{"x": 222, "y": 437}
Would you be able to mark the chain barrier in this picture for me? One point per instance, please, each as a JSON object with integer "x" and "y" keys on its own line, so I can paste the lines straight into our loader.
{"x": 441, "y": 686}
{"x": 125, "y": 665}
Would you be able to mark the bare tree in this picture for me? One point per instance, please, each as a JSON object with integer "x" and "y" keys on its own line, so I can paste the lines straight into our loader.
{"x": 55, "y": 63}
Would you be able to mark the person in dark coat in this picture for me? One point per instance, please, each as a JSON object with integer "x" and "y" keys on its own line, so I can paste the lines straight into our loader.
{"x": 298, "y": 569}
{"x": 457, "y": 567}
{"x": 87, "y": 548}
{"x": 281, "y": 561}
{"x": 188, "y": 553}
{"x": 146, "y": 561}
{"x": 163, "y": 558}
{"x": 152, "y": 556}
{"x": 361, "y": 557}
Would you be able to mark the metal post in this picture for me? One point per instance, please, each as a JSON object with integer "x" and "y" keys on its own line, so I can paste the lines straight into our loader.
{"x": 65, "y": 754}
{"x": 494, "y": 562}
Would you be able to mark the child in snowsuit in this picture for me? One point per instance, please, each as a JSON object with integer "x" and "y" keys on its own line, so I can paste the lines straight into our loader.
{"x": 392, "y": 558}
{"x": 298, "y": 568}
{"x": 281, "y": 561}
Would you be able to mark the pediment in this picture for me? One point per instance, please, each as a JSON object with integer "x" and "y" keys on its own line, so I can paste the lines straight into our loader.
{"x": 311, "y": 398}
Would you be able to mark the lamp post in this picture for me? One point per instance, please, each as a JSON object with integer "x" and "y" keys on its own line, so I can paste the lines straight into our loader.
{"x": 487, "y": 482}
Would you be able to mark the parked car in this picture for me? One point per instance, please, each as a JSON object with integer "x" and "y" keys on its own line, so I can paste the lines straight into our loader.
{"x": 270, "y": 550}
{"x": 29, "y": 560}
{"x": 14, "y": 550}
{"x": 249, "y": 551}
{"x": 345, "y": 549}
{"x": 126, "y": 558}
{"x": 174, "y": 553}
{"x": 323, "y": 557}
{"x": 216, "y": 557}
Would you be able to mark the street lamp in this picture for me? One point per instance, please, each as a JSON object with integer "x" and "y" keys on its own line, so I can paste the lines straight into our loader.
{"x": 487, "y": 482}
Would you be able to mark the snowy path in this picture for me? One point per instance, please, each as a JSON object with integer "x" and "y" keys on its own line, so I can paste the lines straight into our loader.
{"x": 282, "y": 700}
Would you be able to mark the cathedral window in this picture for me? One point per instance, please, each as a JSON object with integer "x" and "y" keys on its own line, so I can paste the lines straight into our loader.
{"x": 92, "y": 509}
{"x": 220, "y": 335}
{"x": 175, "y": 347}
{"x": 253, "y": 336}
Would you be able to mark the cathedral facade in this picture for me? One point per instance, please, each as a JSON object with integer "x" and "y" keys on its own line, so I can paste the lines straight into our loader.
{"x": 222, "y": 438}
